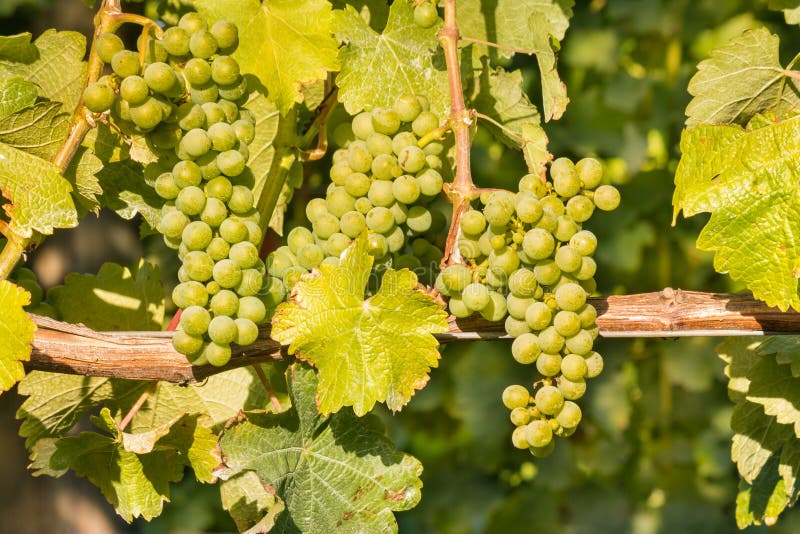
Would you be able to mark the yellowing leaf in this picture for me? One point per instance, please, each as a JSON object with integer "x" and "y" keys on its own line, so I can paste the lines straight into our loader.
{"x": 367, "y": 351}
{"x": 16, "y": 334}
{"x": 286, "y": 43}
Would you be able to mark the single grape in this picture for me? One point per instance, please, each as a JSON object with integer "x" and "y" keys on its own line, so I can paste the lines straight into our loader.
{"x": 472, "y": 222}
{"x": 190, "y": 293}
{"x": 245, "y": 254}
{"x": 568, "y": 259}
{"x": 352, "y": 223}
{"x": 214, "y": 213}
{"x": 224, "y": 303}
{"x": 476, "y": 296}
{"x": 565, "y": 228}
{"x": 538, "y": 433}
{"x": 570, "y": 297}
{"x": 425, "y": 123}
{"x": 359, "y": 157}
{"x": 419, "y": 219}
{"x": 217, "y": 354}
{"x": 573, "y": 367}
{"x": 195, "y": 320}
{"x": 525, "y": 349}
{"x": 202, "y": 44}
{"x": 196, "y": 142}
{"x": 547, "y": 272}
{"x": 227, "y": 273}
{"x": 339, "y": 173}
{"x": 496, "y": 309}
{"x": 187, "y": 344}
{"x": 147, "y": 115}
{"x": 250, "y": 284}
{"x": 503, "y": 261}
{"x": 223, "y": 136}
{"x": 339, "y": 202}
{"x": 247, "y": 332}
{"x": 425, "y": 15}
{"x": 227, "y": 36}
{"x": 517, "y": 306}
{"x": 549, "y": 400}
{"x": 407, "y": 106}
{"x": 245, "y": 131}
{"x": 225, "y": 70}
{"x": 516, "y": 327}
{"x": 385, "y": 121}
{"x": 406, "y": 189}
{"x": 241, "y": 200}
{"x": 325, "y": 226}
{"x": 377, "y": 245}
{"x": 606, "y": 197}
{"x": 203, "y": 93}
{"x": 252, "y": 308}
{"x": 594, "y": 365}
{"x": 587, "y": 270}
{"x": 580, "y": 208}
{"x": 565, "y": 177}
{"x": 400, "y": 212}
{"x": 125, "y": 63}
{"x": 160, "y": 77}
{"x": 310, "y": 255}
{"x": 218, "y": 249}
{"x": 590, "y": 172}
{"x": 98, "y": 97}
{"x": 550, "y": 340}
{"x": 522, "y": 283}
{"x": 197, "y": 235}
{"x": 362, "y": 125}
{"x": 172, "y": 224}
{"x": 231, "y": 163}
{"x": 380, "y": 193}
{"x": 456, "y": 277}
{"x": 337, "y": 243}
{"x": 584, "y": 242}
{"x": 587, "y": 315}
{"x": 191, "y": 201}
{"x": 538, "y": 244}
{"x": 571, "y": 390}
{"x": 520, "y": 416}
{"x": 469, "y": 248}
{"x": 548, "y": 364}
{"x": 219, "y": 188}
{"x": 519, "y": 439}
{"x": 411, "y": 159}
{"x": 357, "y": 185}
{"x": 570, "y": 415}
{"x": 197, "y": 72}
{"x": 515, "y": 396}
{"x": 430, "y": 183}
{"x": 106, "y": 45}
{"x": 380, "y": 220}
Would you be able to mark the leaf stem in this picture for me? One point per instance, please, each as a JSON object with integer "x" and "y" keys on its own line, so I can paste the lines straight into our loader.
{"x": 505, "y": 129}
{"x": 136, "y": 407}
{"x": 495, "y": 45}
{"x": 319, "y": 129}
{"x": 265, "y": 382}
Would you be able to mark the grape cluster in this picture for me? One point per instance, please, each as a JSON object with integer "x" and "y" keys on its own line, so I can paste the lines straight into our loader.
{"x": 187, "y": 97}
{"x": 26, "y": 279}
{"x": 528, "y": 261}
{"x": 383, "y": 182}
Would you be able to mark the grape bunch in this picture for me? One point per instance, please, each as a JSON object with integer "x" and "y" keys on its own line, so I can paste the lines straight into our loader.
{"x": 187, "y": 98}
{"x": 528, "y": 261}
{"x": 26, "y": 279}
{"x": 385, "y": 180}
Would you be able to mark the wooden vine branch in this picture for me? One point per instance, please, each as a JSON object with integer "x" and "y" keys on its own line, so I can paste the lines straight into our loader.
{"x": 74, "y": 349}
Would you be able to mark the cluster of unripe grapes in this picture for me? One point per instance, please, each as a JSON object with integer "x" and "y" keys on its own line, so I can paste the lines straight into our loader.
{"x": 187, "y": 95}
{"x": 26, "y": 279}
{"x": 382, "y": 183}
{"x": 526, "y": 260}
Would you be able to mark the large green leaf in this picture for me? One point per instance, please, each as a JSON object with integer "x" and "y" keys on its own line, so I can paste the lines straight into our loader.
{"x": 739, "y": 80}
{"x": 286, "y": 43}
{"x": 16, "y": 333}
{"x": 379, "y": 67}
{"x": 252, "y": 507}
{"x": 40, "y": 196}
{"x": 39, "y": 129}
{"x": 16, "y": 93}
{"x": 335, "y": 474}
{"x": 534, "y": 26}
{"x": 117, "y": 298}
{"x": 126, "y": 192}
{"x": 58, "y": 69}
{"x": 747, "y": 181}
{"x": 367, "y": 351}
{"x": 133, "y": 471}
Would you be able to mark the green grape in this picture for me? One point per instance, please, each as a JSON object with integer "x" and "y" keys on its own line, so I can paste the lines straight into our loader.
{"x": 522, "y": 283}
{"x": 516, "y": 396}
{"x": 165, "y": 136}
{"x": 377, "y": 245}
{"x": 195, "y": 320}
{"x": 528, "y": 208}
{"x": 172, "y": 224}
{"x": 425, "y": 15}
{"x": 203, "y": 93}
{"x": 403, "y": 140}
{"x": 574, "y": 367}
{"x": 339, "y": 173}
{"x": 538, "y": 433}
{"x": 419, "y": 219}
{"x": 339, "y": 202}
{"x": 362, "y": 125}
{"x": 359, "y": 157}
{"x": 533, "y": 184}
{"x": 196, "y": 142}
{"x": 233, "y": 230}
{"x": 590, "y": 172}
{"x": 218, "y": 249}
{"x": 606, "y": 197}
{"x": 214, "y": 213}
{"x": 498, "y": 211}
{"x": 565, "y": 177}
{"x": 352, "y": 224}
{"x": 430, "y": 183}
{"x": 315, "y": 208}
{"x": 553, "y": 204}
{"x": 548, "y": 364}
{"x": 396, "y": 240}
{"x": 547, "y": 222}
{"x": 241, "y": 200}
{"x": 197, "y": 72}
{"x": 498, "y": 242}
{"x": 385, "y": 121}
{"x": 225, "y": 70}
{"x": 517, "y": 306}
{"x": 570, "y": 415}
{"x": 202, "y": 44}
{"x": 273, "y": 292}
{"x": 516, "y": 327}
{"x": 469, "y": 248}
{"x": 525, "y": 348}
{"x": 380, "y": 193}
{"x": 325, "y": 226}
{"x": 198, "y": 265}
{"x": 134, "y": 90}
{"x": 568, "y": 259}
{"x": 580, "y": 343}
{"x": 247, "y": 332}
{"x": 495, "y": 281}
{"x": 406, "y": 189}
{"x": 223, "y": 136}
{"x": 191, "y": 201}
{"x": 476, "y": 296}
{"x": 584, "y": 242}
{"x": 231, "y": 163}
{"x": 547, "y": 272}
{"x": 219, "y": 188}
{"x": 590, "y": 286}
{"x": 519, "y": 439}
{"x": 594, "y": 365}
{"x": 186, "y": 173}
{"x": 227, "y": 36}
{"x": 571, "y": 390}
{"x": 245, "y": 131}
{"x": 565, "y": 229}
{"x": 187, "y": 344}
{"x": 503, "y": 261}
{"x": 496, "y": 309}
{"x": 407, "y": 107}
{"x": 337, "y": 243}
{"x": 570, "y": 297}
{"x": 175, "y": 41}
{"x": 310, "y": 255}
{"x": 217, "y": 354}
{"x": 587, "y": 270}
{"x": 357, "y": 185}
{"x": 378, "y": 143}
{"x": 587, "y": 314}
{"x": 456, "y": 277}
{"x": 538, "y": 244}
{"x": 190, "y": 293}
{"x": 519, "y": 417}
{"x": 147, "y": 115}
{"x": 298, "y": 237}
{"x": 197, "y": 235}
{"x": 550, "y": 340}
{"x": 250, "y": 284}
{"x": 160, "y": 77}
{"x": 580, "y": 208}
{"x": 549, "y": 400}
{"x": 400, "y": 212}
{"x": 106, "y": 45}
{"x": 472, "y": 222}
{"x": 224, "y": 303}
{"x": 425, "y": 123}
{"x": 567, "y": 323}
{"x": 125, "y": 63}
{"x": 411, "y": 159}
{"x": 227, "y": 273}
{"x": 190, "y": 116}
{"x": 252, "y": 308}
{"x": 245, "y": 254}
{"x": 380, "y": 220}
{"x": 254, "y": 233}
{"x": 192, "y": 22}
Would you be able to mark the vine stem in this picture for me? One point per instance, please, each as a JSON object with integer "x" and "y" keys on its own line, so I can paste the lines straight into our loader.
{"x": 265, "y": 382}
{"x": 136, "y": 407}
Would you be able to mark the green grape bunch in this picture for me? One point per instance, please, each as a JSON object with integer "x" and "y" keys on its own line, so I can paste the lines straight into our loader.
{"x": 386, "y": 181}
{"x": 528, "y": 262}
{"x": 187, "y": 97}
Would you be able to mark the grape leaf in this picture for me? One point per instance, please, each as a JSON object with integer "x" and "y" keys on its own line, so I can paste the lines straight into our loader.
{"x": 58, "y": 69}
{"x": 81, "y": 174}
{"x": 117, "y": 298}
{"x": 133, "y": 471}
{"x": 534, "y": 149}
{"x": 39, "y": 195}
{"x": 528, "y": 25}
{"x": 379, "y": 67}
{"x": 367, "y": 351}
{"x": 18, "y": 48}
{"x": 786, "y": 350}
{"x": 285, "y": 43}
{"x": 39, "y": 129}
{"x": 746, "y": 180}
{"x": 776, "y": 390}
{"x": 15, "y": 94}
{"x": 16, "y": 331}
{"x": 790, "y": 8}
{"x": 341, "y": 467}
{"x": 374, "y": 12}
{"x": 126, "y": 192}
{"x": 740, "y": 79}
{"x": 252, "y": 507}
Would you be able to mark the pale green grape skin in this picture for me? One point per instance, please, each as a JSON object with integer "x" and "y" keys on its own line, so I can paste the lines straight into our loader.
{"x": 548, "y": 364}
{"x": 231, "y": 163}
{"x": 538, "y": 433}
{"x": 516, "y": 327}
{"x": 187, "y": 344}
{"x": 570, "y": 297}
{"x": 190, "y": 293}
{"x": 336, "y": 244}
{"x": 406, "y": 189}
{"x": 202, "y": 44}
{"x": 571, "y": 390}
{"x": 525, "y": 348}
{"x": 191, "y": 201}
{"x": 200, "y": 94}
{"x": 250, "y": 284}
{"x": 385, "y": 121}
{"x": 519, "y": 417}
{"x": 359, "y": 157}
{"x": 352, "y": 224}
{"x": 549, "y": 400}
{"x": 518, "y": 306}
{"x": 378, "y": 143}
{"x": 584, "y": 242}
{"x": 594, "y": 365}
{"x": 425, "y": 15}
{"x": 244, "y": 130}
{"x": 587, "y": 270}
{"x": 197, "y": 71}
{"x": 568, "y": 259}
{"x": 380, "y": 219}
{"x": 456, "y": 277}
{"x": 573, "y": 367}
{"x": 407, "y": 107}
{"x": 385, "y": 167}
{"x": 565, "y": 178}
{"x": 425, "y": 123}
{"x": 219, "y": 188}
{"x": 580, "y": 343}
{"x": 515, "y": 396}
{"x": 547, "y": 272}
{"x": 380, "y": 193}
{"x": 172, "y": 224}
{"x": 222, "y": 329}
{"x": 518, "y": 438}
{"x": 197, "y": 235}
{"x": 538, "y": 244}
{"x": 325, "y": 226}
{"x": 310, "y": 255}
{"x": 273, "y": 292}
{"x": 195, "y": 320}
{"x": 227, "y": 273}
{"x": 419, "y": 219}
{"x": 226, "y": 33}
{"x": 606, "y": 197}
{"x": 550, "y": 340}
{"x": 245, "y": 254}
{"x": 125, "y": 63}
{"x": 225, "y": 302}
{"x": 430, "y": 183}
{"x": 315, "y": 208}
{"x": 410, "y": 158}
{"x": 522, "y": 283}
{"x": 233, "y": 231}
{"x": 241, "y": 200}
{"x": 570, "y": 415}
{"x": 473, "y": 222}
{"x": 147, "y": 115}
{"x": 403, "y": 140}
{"x": 160, "y": 77}
{"x": 247, "y": 332}
{"x": 217, "y": 354}
{"x": 339, "y": 202}
{"x": 565, "y": 229}
{"x": 218, "y": 249}
{"x": 458, "y": 308}
{"x": 108, "y": 44}
{"x": 252, "y": 308}
{"x": 503, "y": 261}
{"x": 588, "y": 315}
{"x": 580, "y": 208}
{"x": 590, "y": 172}
{"x": 469, "y": 248}
{"x": 357, "y": 185}
{"x": 476, "y": 296}
{"x": 223, "y": 136}
{"x": 362, "y": 125}
{"x": 496, "y": 309}
{"x": 225, "y": 70}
